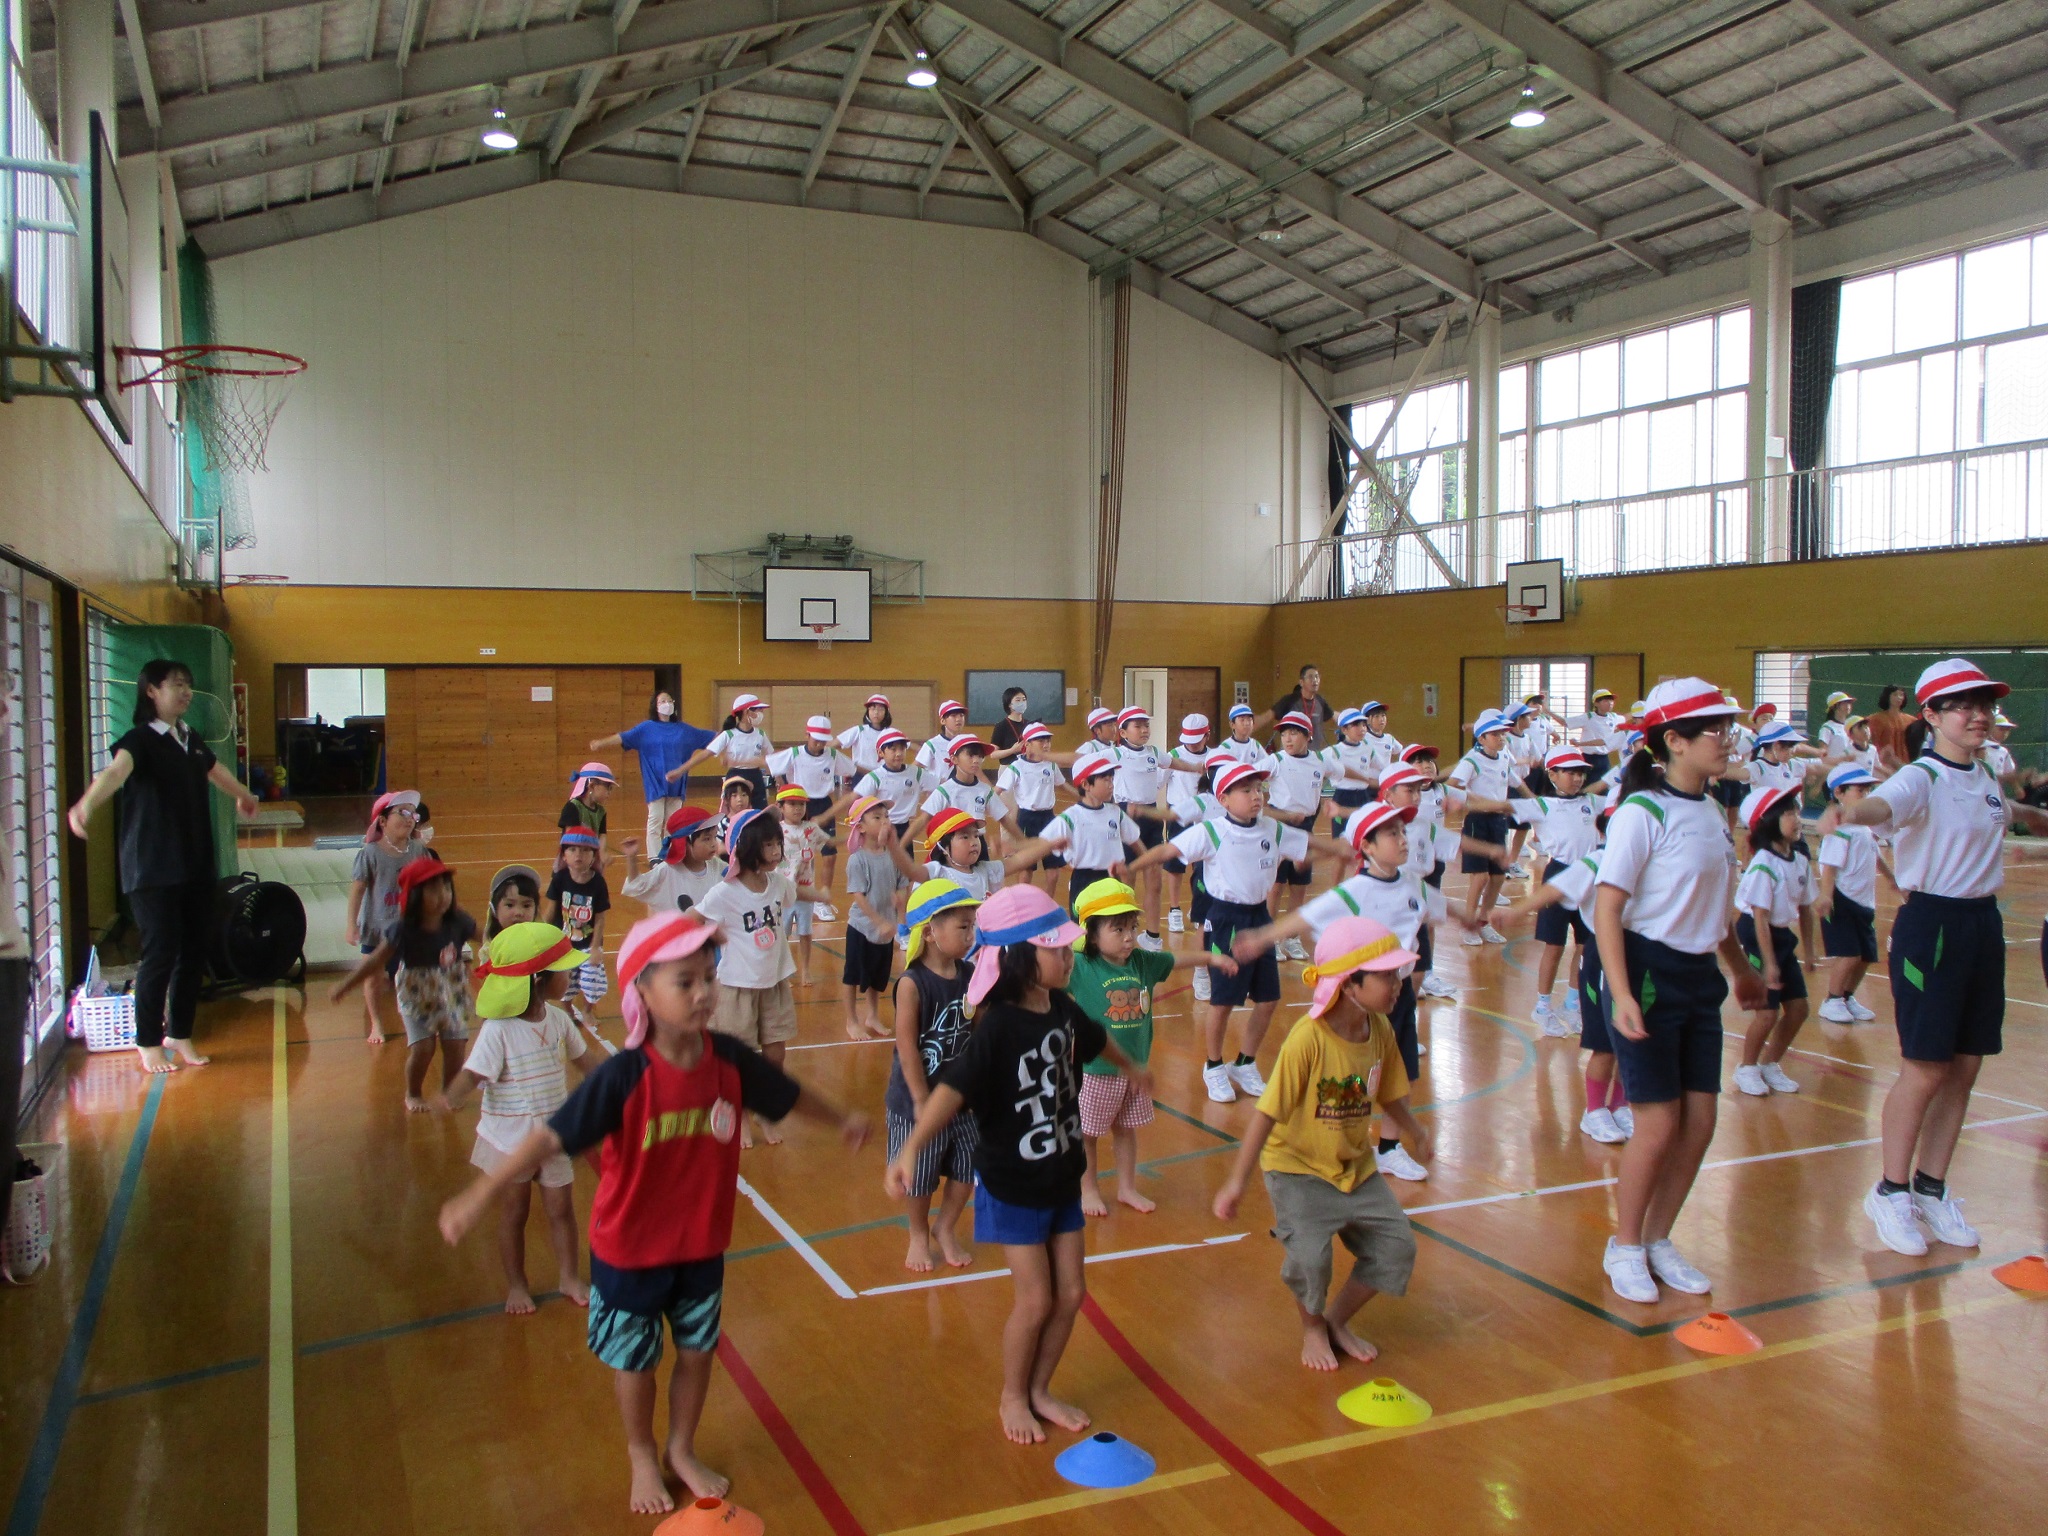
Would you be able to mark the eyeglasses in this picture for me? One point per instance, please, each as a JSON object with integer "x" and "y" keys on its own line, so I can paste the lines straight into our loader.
{"x": 1966, "y": 707}
{"x": 409, "y": 811}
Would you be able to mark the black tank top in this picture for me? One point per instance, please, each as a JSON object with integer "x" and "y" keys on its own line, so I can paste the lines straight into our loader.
{"x": 942, "y": 1027}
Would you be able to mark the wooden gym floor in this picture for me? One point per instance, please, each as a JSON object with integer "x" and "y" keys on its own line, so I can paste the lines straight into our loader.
{"x": 251, "y": 1324}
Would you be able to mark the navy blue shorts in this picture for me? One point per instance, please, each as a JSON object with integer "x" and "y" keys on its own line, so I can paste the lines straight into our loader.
{"x": 1425, "y": 950}
{"x": 1554, "y": 924}
{"x": 1198, "y": 898}
{"x": 1347, "y": 801}
{"x": 1403, "y": 1021}
{"x": 1022, "y": 1226}
{"x": 1256, "y": 981}
{"x": 1948, "y": 977}
{"x": 1033, "y": 824}
{"x": 1174, "y": 828}
{"x": 1849, "y": 931}
{"x": 627, "y": 1307}
{"x": 816, "y": 809}
{"x": 1680, "y": 996}
{"x": 1730, "y": 792}
{"x": 867, "y": 963}
{"x": 1593, "y": 1032}
{"x": 1486, "y": 827}
{"x": 1079, "y": 881}
{"x": 1151, "y": 830}
{"x": 1785, "y": 945}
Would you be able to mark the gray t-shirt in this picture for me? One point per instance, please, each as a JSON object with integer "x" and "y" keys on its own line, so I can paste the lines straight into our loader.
{"x": 872, "y": 874}
{"x": 377, "y": 867}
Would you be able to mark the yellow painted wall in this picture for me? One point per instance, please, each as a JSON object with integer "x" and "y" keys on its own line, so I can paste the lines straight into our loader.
{"x": 1707, "y": 623}
{"x": 941, "y": 639}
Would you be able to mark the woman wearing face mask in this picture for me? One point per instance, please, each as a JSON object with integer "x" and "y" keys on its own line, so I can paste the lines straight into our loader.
{"x": 1008, "y": 736}
{"x": 665, "y": 742}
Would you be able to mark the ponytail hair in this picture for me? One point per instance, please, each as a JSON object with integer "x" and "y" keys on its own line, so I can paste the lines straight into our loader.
{"x": 732, "y": 723}
{"x": 1916, "y": 737}
{"x": 1640, "y": 772}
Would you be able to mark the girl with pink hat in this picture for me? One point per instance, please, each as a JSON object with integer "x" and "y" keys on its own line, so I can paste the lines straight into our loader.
{"x": 740, "y": 745}
{"x": 589, "y": 788}
{"x": 1312, "y": 1135}
{"x": 1030, "y": 1158}
{"x": 374, "y": 897}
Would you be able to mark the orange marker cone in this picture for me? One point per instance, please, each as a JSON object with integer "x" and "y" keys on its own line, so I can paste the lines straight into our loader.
{"x": 2028, "y": 1274}
{"x": 1718, "y": 1334}
{"x": 711, "y": 1517}
{"x": 1383, "y": 1403}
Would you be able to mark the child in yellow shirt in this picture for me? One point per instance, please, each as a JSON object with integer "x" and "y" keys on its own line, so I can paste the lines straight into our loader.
{"x": 1312, "y": 1135}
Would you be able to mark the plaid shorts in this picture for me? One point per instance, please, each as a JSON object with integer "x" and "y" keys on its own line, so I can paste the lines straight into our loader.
{"x": 1112, "y": 1101}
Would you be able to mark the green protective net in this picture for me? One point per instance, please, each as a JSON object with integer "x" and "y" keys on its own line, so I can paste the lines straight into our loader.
{"x": 220, "y": 498}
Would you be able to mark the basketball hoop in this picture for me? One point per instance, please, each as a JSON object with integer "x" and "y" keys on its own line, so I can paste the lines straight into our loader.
{"x": 258, "y": 596}
{"x": 1518, "y": 614}
{"x": 231, "y": 395}
{"x": 822, "y": 633}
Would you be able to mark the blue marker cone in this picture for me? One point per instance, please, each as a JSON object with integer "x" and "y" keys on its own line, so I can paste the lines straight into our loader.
{"x": 1104, "y": 1461}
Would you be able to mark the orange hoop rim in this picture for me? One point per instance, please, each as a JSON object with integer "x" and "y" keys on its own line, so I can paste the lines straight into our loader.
{"x": 254, "y": 579}
{"x": 176, "y": 365}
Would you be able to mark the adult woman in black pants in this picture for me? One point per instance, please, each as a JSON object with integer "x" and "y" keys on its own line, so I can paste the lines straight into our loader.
{"x": 167, "y": 862}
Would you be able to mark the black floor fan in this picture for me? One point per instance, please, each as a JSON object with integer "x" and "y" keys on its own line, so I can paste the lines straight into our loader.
{"x": 259, "y": 936}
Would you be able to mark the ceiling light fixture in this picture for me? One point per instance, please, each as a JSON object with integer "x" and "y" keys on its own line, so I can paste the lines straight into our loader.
{"x": 499, "y": 134}
{"x": 1528, "y": 115}
{"x": 1271, "y": 231}
{"x": 922, "y": 75}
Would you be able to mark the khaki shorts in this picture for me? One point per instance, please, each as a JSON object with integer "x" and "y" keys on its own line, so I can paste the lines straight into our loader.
{"x": 556, "y": 1172}
{"x": 761, "y": 1016}
{"x": 1308, "y": 1212}
{"x": 658, "y": 813}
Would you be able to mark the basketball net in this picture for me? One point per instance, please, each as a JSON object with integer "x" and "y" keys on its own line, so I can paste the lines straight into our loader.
{"x": 229, "y": 395}
{"x": 823, "y": 635}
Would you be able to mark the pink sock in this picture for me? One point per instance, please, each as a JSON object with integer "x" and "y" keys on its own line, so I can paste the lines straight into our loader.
{"x": 1596, "y": 1093}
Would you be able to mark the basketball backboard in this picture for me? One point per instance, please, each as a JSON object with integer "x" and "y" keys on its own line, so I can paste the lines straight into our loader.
{"x": 805, "y": 602}
{"x": 106, "y": 275}
{"x": 1535, "y": 591}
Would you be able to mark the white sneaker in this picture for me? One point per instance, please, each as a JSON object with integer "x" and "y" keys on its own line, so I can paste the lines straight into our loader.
{"x": 1397, "y": 1164}
{"x": 1626, "y": 1119}
{"x": 1295, "y": 951}
{"x": 1751, "y": 1081}
{"x": 1836, "y": 1011}
{"x": 1492, "y": 935}
{"x": 1863, "y": 1014}
{"x": 1571, "y": 1004}
{"x": 1202, "y": 984}
{"x": 824, "y": 912}
{"x": 1503, "y": 900}
{"x": 1150, "y": 941}
{"x": 1422, "y": 1047}
{"x": 1246, "y": 1075}
{"x": 1217, "y": 1080}
{"x": 1436, "y": 986}
{"x": 1944, "y": 1218}
{"x": 1600, "y": 1125}
{"x": 1516, "y": 872}
{"x": 1894, "y": 1214}
{"x": 1554, "y": 1024}
{"x": 1471, "y": 940}
{"x": 1175, "y": 923}
{"x": 1775, "y": 1076}
{"x": 1669, "y": 1265}
{"x": 1628, "y": 1271}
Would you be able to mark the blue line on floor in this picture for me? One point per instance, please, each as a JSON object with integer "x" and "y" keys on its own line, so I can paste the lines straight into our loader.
{"x": 27, "y": 1514}
{"x": 164, "y": 1383}
{"x": 398, "y": 1330}
{"x": 1188, "y": 1119}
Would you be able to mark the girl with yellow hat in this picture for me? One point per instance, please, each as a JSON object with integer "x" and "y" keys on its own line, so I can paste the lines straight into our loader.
{"x": 931, "y": 1028}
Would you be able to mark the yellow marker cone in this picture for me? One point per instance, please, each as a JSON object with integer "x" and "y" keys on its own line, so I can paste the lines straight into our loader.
{"x": 1719, "y": 1334}
{"x": 711, "y": 1517}
{"x": 2028, "y": 1274}
{"x": 1383, "y": 1403}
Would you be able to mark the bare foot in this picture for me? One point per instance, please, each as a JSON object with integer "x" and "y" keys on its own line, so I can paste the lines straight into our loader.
{"x": 856, "y": 1031}
{"x": 650, "y": 1493}
{"x": 415, "y": 1105}
{"x": 519, "y": 1301}
{"x": 698, "y": 1478}
{"x": 879, "y": 1031}
{"x": 953, "y": 1253}
{"x": 770, "y": 1134}
{"x": 154, "y": 1060}
{"x": 185, "y": 1052}
{"x": 374, "y": 1037}
{"x": 1362, "y": 1350}
{"x": 1065, "y": 1415}
{"x": 746, "y": 1133}
{"x": 1316, "y": 1353}
{"x": 1135, "y": 1201}
{"x": 918, "y": 1257}
{"x": 576, "y": 1290}
{"x": 1091, "y": 1199}
{"x": 1020, "y": 1425}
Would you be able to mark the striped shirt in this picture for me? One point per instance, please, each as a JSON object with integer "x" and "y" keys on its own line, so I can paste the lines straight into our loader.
{"x": 524, "y": 1065}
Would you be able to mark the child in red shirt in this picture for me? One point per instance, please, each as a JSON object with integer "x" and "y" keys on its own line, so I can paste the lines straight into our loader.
{"x": 664, "y": 1115}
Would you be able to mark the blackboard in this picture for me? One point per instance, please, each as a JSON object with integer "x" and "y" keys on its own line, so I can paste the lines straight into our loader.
{"x": 1047, "y": 692}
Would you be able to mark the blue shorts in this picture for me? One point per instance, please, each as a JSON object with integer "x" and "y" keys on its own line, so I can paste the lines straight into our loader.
{"x": 1948, "y": 977}
{"x": 1258, "y": 980}
{"x": 815, "y": 809}
{"x": 1151, "y": 830}
{"x": 1347, "y": 801}
{"x": 1485, "y": 827}
{"x": 1021, "y": 1226}
{"x": 1079, "y": 881}
{"x": 1680, "y": 996}
{"x": 627, "y": 1307}
{"x": 1849, "y": 931}
{"x": 1033, "y": 824}
{"x": 1402, "y": 1019}
{"x": 1785, "y": 944}
{"x": 1593, "y": 1032}
{"x": 1554, "y": 925}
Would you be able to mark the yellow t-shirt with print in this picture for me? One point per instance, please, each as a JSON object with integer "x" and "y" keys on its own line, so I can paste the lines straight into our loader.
{"x": 1322, "y": 1096}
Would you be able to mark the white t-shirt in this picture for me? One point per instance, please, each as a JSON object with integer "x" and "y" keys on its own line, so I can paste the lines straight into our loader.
{"x": 1673, "y": 855}
{"x": 817, "y": 775}
{"x": 800, "y": 847}
{"x": 1385, "y": 749}
{"x": 1537, "y": 735}
{"x": 1243, "y": 751}
{"x": 859, "y": 744}
{"x": 1027, "y": 785}
{"x": 671, "y": 887}
{"x": 1773, "y": 884}
{"x": 1790, "y": 774}
{"x": 1096, "y": 835}
{"x": 1139, "y": 774}
{"x": 1184, "y": 796}
{"x": 1240, "y": 862}
{"x": 1851, "y": 852}
{"x": 1576, "y": 880}
{"x": 1294, "y": 784}
{"x": 731, "y": 747}
{"x": 1485, "y": 774}
{"x": 932, "y": 755}
{"x": 1834, "y": 739}
{"x": 1598, "y": 733}
{"x": 1347, "y": 765}
{"x": 525, "y": 1067}
{"x": 757, "y": 928}
{"x": 1995, "y": 755}
{"x": 1948, "y": 823}
{"x": 899, "y": 788}
{"x": 1398, "y": 903}
{"x": 952, "y": 795}
{"x": 1563, "y": 825}
{"x": 980, "y": 882}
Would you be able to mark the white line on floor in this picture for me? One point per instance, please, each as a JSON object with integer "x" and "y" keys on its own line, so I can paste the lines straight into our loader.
{"x": 1093, "y": 1258}
{"x": 826, "y": 1045}
{"x": 795, "y": 1239}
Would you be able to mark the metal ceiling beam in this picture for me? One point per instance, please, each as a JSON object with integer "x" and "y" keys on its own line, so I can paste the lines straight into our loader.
{"x": 2017, "y": 95}
{"x": 1837, "y": 19}
{"x": 1000, "y": 171}
{"x": 138, "y": 55}
{"x": 569, "y": 116}
{"x": 829, "y": 129}
{"x": 348, "y": 146}
{"x": 1281, "y": 56}
{"x": 1167, "y": 112}
{"x": 198, "y": 120}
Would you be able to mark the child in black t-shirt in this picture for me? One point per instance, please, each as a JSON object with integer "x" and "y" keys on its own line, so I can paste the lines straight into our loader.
{"x": 1030, "y": 1159}
{"x": 429, "y": 944}
{"x": 577, "y": 900}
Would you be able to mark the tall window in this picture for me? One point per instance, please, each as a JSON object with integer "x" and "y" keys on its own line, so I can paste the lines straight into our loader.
{"x": 1942, "y": 377}
{"x": 28, "y": 804}
{"x": 1562, "y": 680}
{"x": 335, "y": 694}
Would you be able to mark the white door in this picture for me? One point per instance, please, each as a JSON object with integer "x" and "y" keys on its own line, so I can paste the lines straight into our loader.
{"x": 1146, "y": 688}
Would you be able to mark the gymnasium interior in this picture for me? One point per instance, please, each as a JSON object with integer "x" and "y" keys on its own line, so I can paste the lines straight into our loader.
{"x": 437, "y": 381}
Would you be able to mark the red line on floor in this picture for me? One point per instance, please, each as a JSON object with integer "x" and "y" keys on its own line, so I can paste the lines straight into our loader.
{"x": 786, "y": 1439}
{"x": 1235, "y": 1456}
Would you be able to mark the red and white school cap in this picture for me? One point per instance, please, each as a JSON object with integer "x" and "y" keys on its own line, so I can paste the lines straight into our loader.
{"x": 1037, "y": 730}
{"x": 1100, "y": 717}
{"x": 1295, "y": 720}
{"x": 891, "y": 738}
{"x": 1220, "y": 759}
{"x": 1131, "y": 714}
{"x": 1394, "y": 778}
{"x": 1237, "y": 773}
{"x": 952, "y": 707}
{"x": 1683, "y": 698}
{"x": 1371, "y": 818}
{"x": 1759, "y": 804}
{"x": 1193, "y": 728}
{"x": 1414, "y": 750}
{"x": 744, "y": 702}
{"x": 1092, "y": 764}
{"x": 1565, "y": 757}
{"x": 879, "y": 698}
{"x": 964, "y": 743}
{"x": 1955, "y": 676}
{"x": 818, "y": 728}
